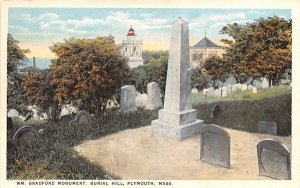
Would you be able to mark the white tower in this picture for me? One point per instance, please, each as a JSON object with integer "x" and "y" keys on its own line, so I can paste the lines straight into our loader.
{"x": 132, "y": 49}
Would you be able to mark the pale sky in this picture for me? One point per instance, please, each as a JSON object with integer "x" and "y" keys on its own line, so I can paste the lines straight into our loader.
{"x": 39, "y": 28}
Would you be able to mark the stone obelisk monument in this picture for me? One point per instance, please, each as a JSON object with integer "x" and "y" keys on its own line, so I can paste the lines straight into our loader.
{"x": 177, "y": 119}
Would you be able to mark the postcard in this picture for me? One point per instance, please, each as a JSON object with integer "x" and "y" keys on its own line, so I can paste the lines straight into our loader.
{"x": 149, "y": 94}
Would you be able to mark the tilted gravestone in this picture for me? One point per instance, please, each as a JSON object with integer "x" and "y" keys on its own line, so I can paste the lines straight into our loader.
{"x": 274, "y": 159}
{"x": 153, "y": 92}
{"x": 128, "y": 102}
{"x": 26, "y": 135}
{"x": 177, "y": 119}
{"x": 82, "y": 117}
{"x": 215, "y": 146}
{"x": 266, "y": 127}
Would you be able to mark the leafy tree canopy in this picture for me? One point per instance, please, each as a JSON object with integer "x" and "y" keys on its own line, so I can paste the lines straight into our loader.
{"x": 15, "y": 57}
{"x": 88, "y": 72}
{"x": 259, "y": 49}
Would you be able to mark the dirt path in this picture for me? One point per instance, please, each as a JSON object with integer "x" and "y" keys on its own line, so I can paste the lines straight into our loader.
{"x": 136, "y": 154}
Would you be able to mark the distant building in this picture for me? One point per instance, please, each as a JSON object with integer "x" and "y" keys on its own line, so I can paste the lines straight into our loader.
{"x": 205, "y": 48}
{"x": 132, "y": 49}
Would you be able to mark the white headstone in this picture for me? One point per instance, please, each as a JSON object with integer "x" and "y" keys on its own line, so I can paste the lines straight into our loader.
{"x": 229, "y": 88}
{"x": 13, "y": 113}
{"x": 254, "y": 90}
{"x": 244, "y": 87}
{"x": 127, "y": 99}
{"x": 238, "y": 86}
{"x": 211, "y": 91}
{"x": 233, "y": 88}
{"x": 218, "y": 92}
{"x": 265, "y": 83}
{"x": 194, "y": 90}
{"x": 154, "y": 100}
{"x": 177, "y": 119}
{"x": 205, "y": 92}
{"x": 141, "y": 100}
{"x": 250, "y": 87}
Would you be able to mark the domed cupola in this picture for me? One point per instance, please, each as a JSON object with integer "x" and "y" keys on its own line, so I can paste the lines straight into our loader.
{"x": 131, "y": 32}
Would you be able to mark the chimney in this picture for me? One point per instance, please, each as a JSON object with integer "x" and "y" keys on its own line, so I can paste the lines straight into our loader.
{"x": 34, "y": 65}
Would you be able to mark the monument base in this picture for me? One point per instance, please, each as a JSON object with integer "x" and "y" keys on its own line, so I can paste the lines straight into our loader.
{"x": 174, "y": 131}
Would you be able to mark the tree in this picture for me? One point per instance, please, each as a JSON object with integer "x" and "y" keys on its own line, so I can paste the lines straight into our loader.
{"x": 141, "y": 76}
{"x": 88, "y": 72}
{"x": 216, "y": 68}
{"x": 39, "y": 91}
{"x": 199, "y": 80}
{"x": 259, "y": 49}
{"x": 155, "y": 56}
{"x": 15, "y": 58}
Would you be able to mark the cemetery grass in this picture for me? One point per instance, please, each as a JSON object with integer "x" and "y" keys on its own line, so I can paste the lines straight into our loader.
{"x": 53, "y": 157}
{"x": 242, "y": 110}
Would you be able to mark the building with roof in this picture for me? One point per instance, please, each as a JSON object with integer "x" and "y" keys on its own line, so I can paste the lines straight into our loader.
{"x": 204, "y": 49}
{"x": 132, "y": 49}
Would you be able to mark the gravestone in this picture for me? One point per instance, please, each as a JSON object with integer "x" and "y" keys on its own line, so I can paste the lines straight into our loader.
{"x": 218, "y": 92}
{"x": 264, "y": 83}
{"x": 238, "y": 86}
{"x": 215, "y": 146}
{"x": 231, "y": 80}
{"x": 250, "y": 87}
{"x": 141, "y": 100}
{"x": 127, "y": 99}
{"x": 177, "y": 119}
{"x": 194, "y": 90}
{"x": 205, "y": 92}
{"x": 229, "y": 88}
{"x": 13, "y": 113}
{"x": 224, "y": 91}
{"x": 82, "y": 117}
{"x": 257, "y": 84}
{"x": 26, "y": 135}
{"x": 274, "y": 159}
{"x": 254, "y": 90}
{"x": 15, "y": 116}
{"x": 211, "y": 91}
{"x": 154, "y": 100}
{"x": 233, "y": 88}
{"x": 266, "y": 127}
{"x": 244, "y": 87}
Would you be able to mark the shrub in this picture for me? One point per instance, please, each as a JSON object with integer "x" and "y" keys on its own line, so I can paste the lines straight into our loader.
{"x": 245, "y": 114}
{"x": 53, "y": 156}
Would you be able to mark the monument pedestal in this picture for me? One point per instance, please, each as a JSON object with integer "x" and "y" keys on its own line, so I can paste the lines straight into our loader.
{"x": 177, "y": 125}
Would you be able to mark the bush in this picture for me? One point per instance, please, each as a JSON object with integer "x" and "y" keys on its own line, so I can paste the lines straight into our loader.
{"x": 53, "y": 156}
{"x": 154, "y": 72}
{"x": 245, "y": 114}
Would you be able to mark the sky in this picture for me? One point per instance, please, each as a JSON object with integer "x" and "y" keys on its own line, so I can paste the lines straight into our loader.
{"x": 39, "y": 28}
